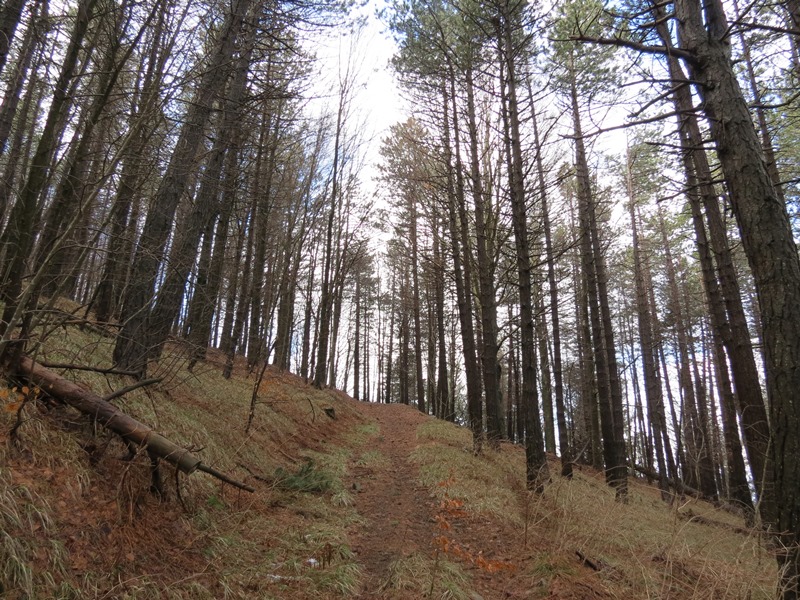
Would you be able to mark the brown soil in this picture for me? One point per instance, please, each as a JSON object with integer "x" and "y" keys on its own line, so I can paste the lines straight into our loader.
{"x": 397, "y": 512}
{"x": 400, "y": 519}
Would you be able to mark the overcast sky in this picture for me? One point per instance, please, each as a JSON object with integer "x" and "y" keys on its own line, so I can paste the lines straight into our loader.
{"x": 376, "y": 100}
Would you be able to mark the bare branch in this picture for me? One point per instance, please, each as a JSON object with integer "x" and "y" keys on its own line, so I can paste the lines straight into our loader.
{"x": 638, "y": 46}
{"x": 131, "y": 387}
{"x": 73, "y": 367}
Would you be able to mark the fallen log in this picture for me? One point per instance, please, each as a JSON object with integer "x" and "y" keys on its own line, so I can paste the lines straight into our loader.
{"x": 681, "y": 487}
{"x": 73, "y": 367}
{"x": 588, "y": 562}
{"x": 693, "y": 517}
{"x": 109, "y": 416}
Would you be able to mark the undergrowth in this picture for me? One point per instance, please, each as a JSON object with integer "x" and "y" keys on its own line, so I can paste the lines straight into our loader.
{"x": 642, "y": 549}
{"x": 423, "y": 577}
{"x": 202, "y": 539}
{"x": 306, "y": 479}
{"x": 78, "y": 520}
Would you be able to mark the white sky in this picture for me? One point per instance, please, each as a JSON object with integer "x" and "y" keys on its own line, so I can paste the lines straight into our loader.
{"x": 377, "y": 100}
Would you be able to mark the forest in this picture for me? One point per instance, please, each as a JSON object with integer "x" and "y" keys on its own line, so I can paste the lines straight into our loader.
{"x": 581, "y": 239}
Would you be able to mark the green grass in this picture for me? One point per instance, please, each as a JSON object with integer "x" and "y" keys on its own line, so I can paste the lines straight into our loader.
{"x": 306, "y": 479}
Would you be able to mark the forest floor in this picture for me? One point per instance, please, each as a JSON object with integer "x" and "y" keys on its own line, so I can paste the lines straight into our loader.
{"x": 405, "y": 525}
{"x": 396, "y": 516}
{"x": 352, "y": 500}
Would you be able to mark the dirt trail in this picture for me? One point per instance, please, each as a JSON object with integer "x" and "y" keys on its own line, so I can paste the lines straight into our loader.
{"x": 396, "y": 510}
{"x": 399, "y": 521}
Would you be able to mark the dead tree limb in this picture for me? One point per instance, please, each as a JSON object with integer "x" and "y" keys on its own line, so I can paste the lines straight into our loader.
{"x": 103, "y": 370}
{"x": 678, "y": 486}
{"x": 681, "y": 487}
{"x": 212, "y": 471}
{"x": 109, "y": 416}
{"x": 693, "y": 517}
{"x": 585, "y": 560}
{"x": 255, "y": 475}
{"x": 131, "y": 387}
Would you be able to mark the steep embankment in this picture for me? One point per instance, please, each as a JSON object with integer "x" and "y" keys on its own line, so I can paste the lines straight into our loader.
{"x": 352, "y": 500}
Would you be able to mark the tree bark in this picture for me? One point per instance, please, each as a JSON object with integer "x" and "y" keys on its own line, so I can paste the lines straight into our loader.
{"x": 772, "y": 254}
{"x": 10, "y": 16}
{"x": 416, "y": 308}
{"x": 609, "y": 391}
{"x": 486, "y": 283}
{"x": 203, "y": 213}
{"x": 737, "y": 338}
{"x": 555, "y": 318}
{"x": 536, "y": 459}
{"x": 13, "y": 92}
{"x": 462, "y": 261}
{"x": 131, "y": 351}
{"x": 652, "y": 384}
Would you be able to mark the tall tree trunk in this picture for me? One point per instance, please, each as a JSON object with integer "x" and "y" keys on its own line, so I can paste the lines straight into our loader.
{"x": 768, "y": 243}
{"x": 357, "y": 340}
{"x": 203, "y": 213}
{"x": 239, "y": 295}
{"x": 697, "y": 443}
{"x": 652, "y": 384}
{"x": 442, "y": 380}
{"x": 17, "y": 239}
{"x": 544, "y": 368}
{"x": 389, "y": 355}
{"x": 125, "y": 207}
{"x": 555, "y": 319}
{"x": 309, "y": 311}
{"x": 588, "y": 382}
{"x": 536, "y": 460}
{"x": 131, "y": 351}
{"x": 736, "y": 474}
{"x": 13, "y": 92}
{"x": 55, "y": 256}
{"x": 10, "y": 16}
{"x": 403, "y": 374}
{"x": 263, "y": 204}
{"x": 486, "y": 284}
{"x": 417, "y": 308}
{"x": 737, "y": 341}
{"x": 462, "y": 261}
{"x": 608, "y": 387}
{"x": 32, "y": 100}
{"x": 430, "y": 371}
{"x": 758, "y": 104}
{"x": 326, "y": 300}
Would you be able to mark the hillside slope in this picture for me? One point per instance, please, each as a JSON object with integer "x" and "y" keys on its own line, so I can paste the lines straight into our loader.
{"x": 352, "y": 500}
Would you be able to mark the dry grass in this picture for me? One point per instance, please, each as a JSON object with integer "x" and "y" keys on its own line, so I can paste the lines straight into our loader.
{"x": 649, "y": 550}
{"x": 645, "y": 549}
{"x": 423, "y": 576}
{"x": 205, "y": 540}
{"x": 488, "y": 484}
{"x": 208, "y": 541}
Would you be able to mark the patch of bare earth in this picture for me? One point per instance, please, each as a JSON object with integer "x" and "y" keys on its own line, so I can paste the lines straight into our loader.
{"x": 400, "y": 520}
{"x": 396, "y": 510}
